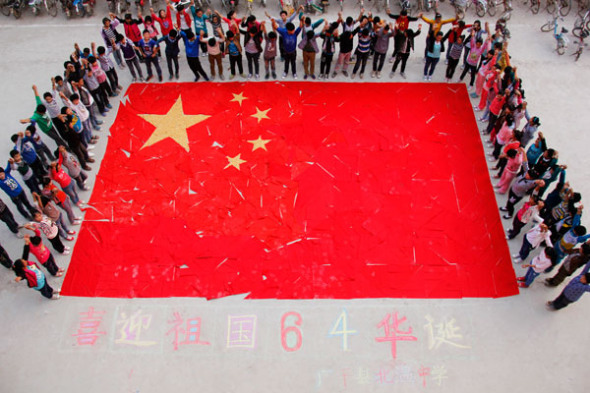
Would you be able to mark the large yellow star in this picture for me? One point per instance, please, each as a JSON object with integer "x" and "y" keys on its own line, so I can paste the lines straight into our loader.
{"x": 259, "y": 143}
{"x": 238, "y": 98}
{"x": 261, "y": 114}
{"x": 234, "y": 161}
{"x": 173, "y": 124}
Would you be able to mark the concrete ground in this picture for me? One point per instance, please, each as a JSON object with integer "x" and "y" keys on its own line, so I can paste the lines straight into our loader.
{"x": 228, "y": 345}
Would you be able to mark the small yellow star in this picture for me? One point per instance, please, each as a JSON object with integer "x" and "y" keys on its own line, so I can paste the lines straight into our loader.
{"x": 234, "y": 161}
{"x": 173, "y": 124}
{"x": 238, "y": 98}
{"x": 259, "y": 143}
{"x": 261, "y": 114}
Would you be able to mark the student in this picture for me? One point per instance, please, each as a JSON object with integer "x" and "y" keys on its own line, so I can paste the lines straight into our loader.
{"x": 61, "y": 199}
{"x": 149, "y": 50}
{"x": 578, "y": 258}
{"x": 89, "y": 103}
{"x": 453, "y": 57}
{"x": 529, "y": 211}
{"x": 96, "y": 90}
{"x": 57, "y": 173}
{"x": 49, "y": 208}
{"x": 75, "y": 171}
{"x": 131, "y": 27}
{"x": 404, "y": 44}
{"x": 434, "y": 27}
{"x": 529, "y": 130}
{"x": 109, "y": 35}
{"x": 199, "y": 18}
{"x": 270, "y": 51}
{"x": 234, "y": 49}
{"x": 573, "y": 291}
{"x": 531, "y": 240}
{"x": 17, "y": 163}
{"x": 217, "y": 27}
{"x": 577, "y": 234}
{"x": 362, "y": 51}
{"x": 35, "y": 246}
{"x": 164, "y": 18}
{"x": 41, "y": 148}
{"x": 172, "y": 51}
{"x": 130, "y": 57}
{"x": 191, "y": 45}
{"x": 214, "y": 52}
{"x": 383, "y": 36}
{"x": 102, "y": 55}
{"x": 289, "y": 35}
{"x": 5, "y": 259}
{"x": 16, "y": 193}
{"x": 27, "y": 151}
{"x": 402, "y": 23}
{"x": 309, "y": 48}
{"x": 253, "y": 49}
{"x": 29, "y": 271}
{"x": 434, "y": 49}
{"x": 537, "y": 266}
{"x": 477, "y": 48}
{"x": 148, "y": 24}
{"x": 49, "y": 229}
{"x": 281, "y": 22}
{"x": 346, "y": 45}
{"x": 74, "y": 137}
{"x": 41, "y": 117}
{"x": 51, "y": 104}
{"x": 519, "y": 188}
{"x": 83, "y": 115}
{"x": 7, "y": 217}
{"x": 489, "y": 61}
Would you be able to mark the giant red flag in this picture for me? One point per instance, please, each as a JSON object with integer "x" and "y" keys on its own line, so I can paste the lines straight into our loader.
{"x": 293, "y": 190}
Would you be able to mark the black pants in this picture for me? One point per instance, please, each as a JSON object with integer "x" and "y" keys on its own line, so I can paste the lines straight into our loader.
{"x": 361, "y": 62}
{"x": 517, "y": 225}
{"x": 100, "y": 98}
{"x": 236, "y": 60}
{"x": 403, "y": 58}
{"x": 33, "y": 185}
{"x": 51, "y": 266}
{"x": 47, "y": 291}
{"x": 172, "y": 60}
{"x": 290, "y": 58}
{"x": 52, "y": 133}
{"x": 513, "y": 199}
{"x": 253, "y": 63}
{"x": 113, "y": 79}
{"x": 560, "y": 302}
{"x": 5, "y": 258}
{"x": 451, "y": 67}
{"x": 44, "y": 153}
{"x": 38, "y": 169}
{"x": 472, "y": 69}
{"x": 156, "y": 62}
{"x": 57, "y": 244}
{"x": 81, "y": 153}
{"x": 378, "y": 61}
{"x": 491, "y": 122}
{"x": 195, "y": 66}
{"x": 326, "y": 63}
{"x": 21, "y": 202}
{"x": 8, "y": 218}
{"x": 80, "y": 179}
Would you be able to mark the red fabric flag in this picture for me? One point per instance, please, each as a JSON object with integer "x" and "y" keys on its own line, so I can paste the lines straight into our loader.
{"x": 295, "y": 191}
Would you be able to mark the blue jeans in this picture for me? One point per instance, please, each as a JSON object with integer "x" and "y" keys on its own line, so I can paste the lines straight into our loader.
{"x": 530, "y": 276}
{"x": 525, "y": 249}
{"x": 430, "y": 63}
{"x": 71, "y": 191}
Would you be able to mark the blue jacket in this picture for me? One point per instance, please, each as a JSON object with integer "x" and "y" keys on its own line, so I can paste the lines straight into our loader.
{"x": 192, "y": 47}
{"x": 10, "y": 185}
{"x": 289, "y": 40}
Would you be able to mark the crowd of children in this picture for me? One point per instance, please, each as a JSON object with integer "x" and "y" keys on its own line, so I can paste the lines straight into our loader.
{"x": 526, "y": 166}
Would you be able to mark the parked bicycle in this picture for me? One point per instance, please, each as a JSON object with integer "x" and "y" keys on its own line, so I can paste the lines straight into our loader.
{"x": 560, "y": 38}
{"x": 551, "y": 23}
{"x": 17, "y": 7}
{"x": 79, "y": 8}
{"x": 118, "y": 6}
{"x": 581, "y": 44}
{"x": 564, "y": 6}
{"x": 535, "y": 6}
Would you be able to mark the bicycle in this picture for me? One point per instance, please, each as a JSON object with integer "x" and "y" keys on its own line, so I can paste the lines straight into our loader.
{"x": 581, "y": 23}
{"x": 581, "y": 45}
{"x": 535, "y": 6}
{"x": 492, "y": 4}
{"x": 564, "y": 6}
{"x": 550, "y": 25}
{"x": 480, "y": 7}
{"x": 561, "y": 39}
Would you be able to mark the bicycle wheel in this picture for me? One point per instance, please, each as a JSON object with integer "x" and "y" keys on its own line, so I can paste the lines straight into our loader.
{"x": 577, "y": 31}
{"x": 547, "y": 27}
{"x": 566, "y": 6}
{"x": 51, "y": 7}
{"x": 535, "y": 5}
{"x": 480, "y": 10}
{"x": 560, "y": 49}
{"x": 492, "y": 7}
{"x": 550, "y": 8}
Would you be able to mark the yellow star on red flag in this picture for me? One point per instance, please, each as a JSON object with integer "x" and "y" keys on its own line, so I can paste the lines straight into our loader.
{"x": 173, "y": 124}
{"x": 238, "y": 98}
{"x": 234, "y": 161}
{"x": 259, "y": 143}
{"x": 261, "y": 114}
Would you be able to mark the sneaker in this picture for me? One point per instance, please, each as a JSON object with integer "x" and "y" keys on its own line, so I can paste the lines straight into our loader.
{"x": 103, "y": 114}
{"x": 284, "y": 75}
{"x": 67, "y": 248}
{"x": 549, "y": 305}
{"x": 503, "y": 209}
{"x": 257, "y": 77}
{"x": 429, "y": 78}
{"x": 267, "y": 76}
{"x": 462, "y": 66}
{"x": 391, "y": 60}
{"x": 96, "y": 128}
{"x": 353, "y": 76}
{"x": 231, "y": 77}
{"x": 403, "y": 75}
{"x": 90, "y": 147}
{"x": 294, "y": 76}
{"x": 212, "y": 77}
{"x": 90, "y": 160}
{"x": 249, "y": 76}
{"x": 197, "y": 79}
{"x": 71, "y": 232}
{"x": 76, "y": 222}
{"x": 425, "y": 78}
{"x": 99, "y": 122}
{"x": 507, "y": 216}
{"x": 19, "y": 235}
{"x": 149, "y": 78}
{"x": 520, "y": 278}
{"x": 133, "y": 80}
{"x": 548, "y": 283}
{"x": 391, "y": 74}
{"x": 66, "y": 252}
{"x": 56, "y": 296}
{"x": 334, "y": 74}
{"x": 305, "y": 77}
{"x": 446, "y": 62}
{"x": 177, "y": 76}
{"x": 274, "y": 75}
{"x": 522, "y": 285}
{"x": 243, "y": 75}
{"x": 517, "y": 255}
{"x": 345, "y": 73}
{"x": 313, "y": 76}
{"x": 373, "y": 74}
{"x": 448, "y": 80}
{"x": 90, "y": 154}
{"x": 361, "y": 76}
{"x": 221, "y": 77}
{"x": 378, "y": 74}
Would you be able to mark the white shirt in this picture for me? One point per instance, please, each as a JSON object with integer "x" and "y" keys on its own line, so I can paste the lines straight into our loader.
{"x": 540, "y": 262}
{"x": 535, "y": 236}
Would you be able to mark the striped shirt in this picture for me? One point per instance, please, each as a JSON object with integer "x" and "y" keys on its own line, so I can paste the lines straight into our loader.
{"x": 364, "y": 43}
{"x": 455, "y": 51}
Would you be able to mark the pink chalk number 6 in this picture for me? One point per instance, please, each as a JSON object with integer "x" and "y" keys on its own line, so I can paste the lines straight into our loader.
{"x": 294, "y": 330}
